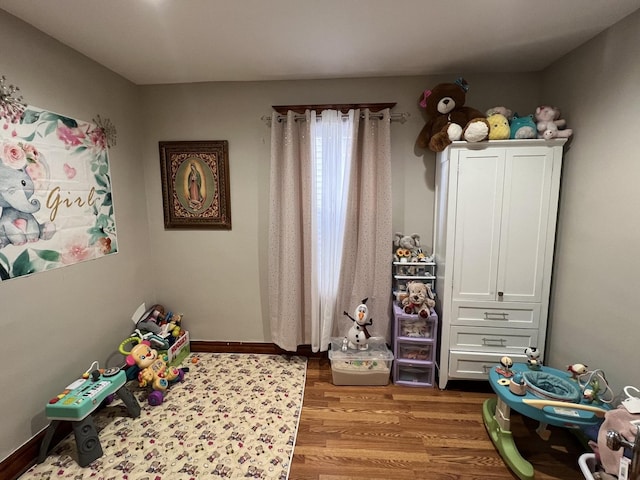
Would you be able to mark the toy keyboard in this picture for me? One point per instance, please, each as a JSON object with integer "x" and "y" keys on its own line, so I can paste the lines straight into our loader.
{"x": 83, "y": 396}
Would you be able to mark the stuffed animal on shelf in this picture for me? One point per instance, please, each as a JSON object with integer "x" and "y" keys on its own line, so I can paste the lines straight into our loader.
{"x": 448, "y": 119}
{"x": 417, "y": 299}
{"x": 406, "y": 247}
{"x": 498, "y": 127}
{"x": 154, "y": 371}
{"x": 358, "y": 336}
{"x": 501, "y": 110}
{"x": 523, "y": 127}
{"x": 549, "y": 124}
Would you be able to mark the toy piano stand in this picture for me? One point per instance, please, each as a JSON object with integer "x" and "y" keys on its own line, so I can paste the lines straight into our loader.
{"x": 78, "y": 401}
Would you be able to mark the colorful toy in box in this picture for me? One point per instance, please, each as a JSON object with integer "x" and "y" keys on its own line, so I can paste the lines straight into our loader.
{"x": 154, "y": 371}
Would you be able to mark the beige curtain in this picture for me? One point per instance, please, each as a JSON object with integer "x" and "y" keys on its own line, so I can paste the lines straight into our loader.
{"x": 366, "y": 261}
{"x": 290, "y": 232}
{"x": 366, "y": 269}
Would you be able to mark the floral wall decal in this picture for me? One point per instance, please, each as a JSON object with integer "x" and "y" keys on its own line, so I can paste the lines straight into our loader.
{"x": 55, "y": 193}
{"x": 11, "y": 105}
{"x": 108, "y": 130}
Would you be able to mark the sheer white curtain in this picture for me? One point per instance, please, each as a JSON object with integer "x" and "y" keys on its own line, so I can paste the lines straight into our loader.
{"x": 331, "y": 170}
{"x": 329, "y": 251}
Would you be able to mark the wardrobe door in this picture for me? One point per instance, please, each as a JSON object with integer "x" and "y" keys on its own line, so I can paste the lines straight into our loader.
{"x": 480, "y": 179}
{"x": 525, "y": 218}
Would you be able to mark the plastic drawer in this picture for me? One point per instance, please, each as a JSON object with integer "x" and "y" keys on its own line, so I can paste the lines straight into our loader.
{"x": 415, "y": 374}
{"x": 415, "y": 350}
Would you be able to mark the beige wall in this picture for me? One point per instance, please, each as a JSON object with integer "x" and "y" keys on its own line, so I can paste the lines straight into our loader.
{"x": 219, "y": 278}
{"x": 594, "y": 315}
{"x": 55, "y": 323}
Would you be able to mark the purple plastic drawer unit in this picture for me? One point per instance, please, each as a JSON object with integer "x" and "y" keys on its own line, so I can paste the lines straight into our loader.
{"x": 414, "y": 348}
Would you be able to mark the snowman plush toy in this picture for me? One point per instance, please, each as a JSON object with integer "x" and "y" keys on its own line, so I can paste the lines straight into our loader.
{"x": 357, "y": 336}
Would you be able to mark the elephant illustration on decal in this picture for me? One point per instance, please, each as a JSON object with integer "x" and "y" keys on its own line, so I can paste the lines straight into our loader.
{"x": 17, "y": 222}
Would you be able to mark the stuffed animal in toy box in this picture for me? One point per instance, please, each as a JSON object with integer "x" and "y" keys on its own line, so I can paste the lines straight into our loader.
{"x": 418, "y": 299}
{"x": 448, "y": 119}
{"x": 549, "y": 123}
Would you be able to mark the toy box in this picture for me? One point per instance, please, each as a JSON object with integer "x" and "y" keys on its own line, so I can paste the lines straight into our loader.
{"x": 360, "y": 367}
{"x": 179, "y": 350}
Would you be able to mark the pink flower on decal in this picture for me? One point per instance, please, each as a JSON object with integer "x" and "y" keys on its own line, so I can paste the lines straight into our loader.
{"x": 98, "y": 138}
{"x": 72, "y": 137}
{"x": 104, "y": 245}
{"x": 77, "y": 250}
{"x": 13, "y": 155}
{"x": 31, "y": 151}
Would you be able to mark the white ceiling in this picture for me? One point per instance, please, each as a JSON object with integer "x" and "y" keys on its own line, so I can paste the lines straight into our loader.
{"x": 177, "y": 41}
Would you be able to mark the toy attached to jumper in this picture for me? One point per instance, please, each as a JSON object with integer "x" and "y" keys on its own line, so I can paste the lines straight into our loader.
{"x": 576, "y": 370}
{"x": 533, "y": 358}
{"x": 418, "y": 299}
{"x": 549, "y": 123}
{"x": 154, "y": 371}
{"x": 358, "y": 336}
{"x": 448, "y": 119}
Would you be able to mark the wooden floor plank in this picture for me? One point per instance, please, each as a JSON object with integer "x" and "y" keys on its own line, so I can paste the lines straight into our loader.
{"x": 407, "y": 433}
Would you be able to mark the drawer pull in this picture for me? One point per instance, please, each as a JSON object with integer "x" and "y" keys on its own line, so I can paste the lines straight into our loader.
{"x": 494, "y": 341}
{"x": 496, "y": 315}
{"x": 487, "y": 368}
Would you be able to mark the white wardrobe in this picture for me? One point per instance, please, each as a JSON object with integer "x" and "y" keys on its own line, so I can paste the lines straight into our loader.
{"x": 495, "y": 222}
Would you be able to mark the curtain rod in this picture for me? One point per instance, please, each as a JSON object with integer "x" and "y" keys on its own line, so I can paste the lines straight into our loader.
{"x": 394, "y": 117}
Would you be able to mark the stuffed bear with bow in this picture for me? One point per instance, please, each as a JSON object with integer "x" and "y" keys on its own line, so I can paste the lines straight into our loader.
{"x": 448, "y": 119}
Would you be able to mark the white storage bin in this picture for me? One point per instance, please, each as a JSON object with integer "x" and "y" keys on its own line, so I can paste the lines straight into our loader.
{"x": 360, "y": 367}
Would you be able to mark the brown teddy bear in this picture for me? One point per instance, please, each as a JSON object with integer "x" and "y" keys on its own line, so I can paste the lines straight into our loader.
{"x": 449, "y": 119}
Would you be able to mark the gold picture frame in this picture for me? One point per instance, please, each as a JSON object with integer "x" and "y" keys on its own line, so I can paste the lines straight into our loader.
{"x": 195, "y": 184}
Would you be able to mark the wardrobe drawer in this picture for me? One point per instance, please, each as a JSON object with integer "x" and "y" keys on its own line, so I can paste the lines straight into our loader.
{"x": 476, "y": 365}
{"x": 505, "y": 341}
{"x": 496, "y": 314}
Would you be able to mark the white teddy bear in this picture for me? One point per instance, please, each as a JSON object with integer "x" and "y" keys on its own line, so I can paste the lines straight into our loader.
{"x": 549, "y": 123}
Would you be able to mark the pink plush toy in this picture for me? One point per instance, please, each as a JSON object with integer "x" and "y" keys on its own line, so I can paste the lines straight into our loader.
{"x": 549, "y": 123}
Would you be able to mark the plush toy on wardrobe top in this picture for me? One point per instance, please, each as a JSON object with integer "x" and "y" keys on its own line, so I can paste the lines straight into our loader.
{"x": 498, "y": 127}
{"x": 501, "y": 110}
{"x": 418, "y": 299}
{"x": 549, "y": 123}
{"x": 406, "y": 247}
{"x": 523, "y": 127}
{"x": 448, "y": 119}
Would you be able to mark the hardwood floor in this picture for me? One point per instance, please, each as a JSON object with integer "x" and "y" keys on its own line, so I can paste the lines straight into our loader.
{"x": 405, "y": 433}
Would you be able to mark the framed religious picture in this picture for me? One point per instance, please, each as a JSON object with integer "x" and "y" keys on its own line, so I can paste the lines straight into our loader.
{"x": 195, "y": 184}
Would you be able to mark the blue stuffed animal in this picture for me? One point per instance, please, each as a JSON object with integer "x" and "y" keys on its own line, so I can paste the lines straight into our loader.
{"x": 523, "y": 127}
